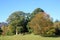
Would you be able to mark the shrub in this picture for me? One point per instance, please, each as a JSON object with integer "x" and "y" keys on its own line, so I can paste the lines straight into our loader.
{"x": 49, "y": 33}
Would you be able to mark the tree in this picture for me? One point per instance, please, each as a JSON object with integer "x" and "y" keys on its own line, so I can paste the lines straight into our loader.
{"x": 41, "y": 23}
{"x": 28, "y": 17}
{"x": 31, "y": 16}
{"x": 36, "y": 11}
{"x": 57, "y": 27}
{"x": 17, "y": 19}
{"x": 4, "y": 30}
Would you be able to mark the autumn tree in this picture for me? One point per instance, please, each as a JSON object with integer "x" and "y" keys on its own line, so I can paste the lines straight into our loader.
{"x": 31, "y": 16}
{"x": 41, "y": 23}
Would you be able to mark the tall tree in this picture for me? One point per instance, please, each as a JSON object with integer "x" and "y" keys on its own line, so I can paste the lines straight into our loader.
{"x": 17, "y": 19}
{"x": 41, "y": 23}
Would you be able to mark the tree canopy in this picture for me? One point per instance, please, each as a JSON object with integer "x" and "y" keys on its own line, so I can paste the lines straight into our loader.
{"x": 41, "y": 22}
{"x": 18, "y": 19}
{"x": 36, "y": 11}
{"x": 37, "y": 22}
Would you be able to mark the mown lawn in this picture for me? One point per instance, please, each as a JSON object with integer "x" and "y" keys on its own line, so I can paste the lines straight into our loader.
{"x": 28, "y": 37}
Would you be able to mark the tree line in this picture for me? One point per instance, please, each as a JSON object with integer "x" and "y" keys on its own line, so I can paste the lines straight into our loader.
{"x": 38, "y": 22}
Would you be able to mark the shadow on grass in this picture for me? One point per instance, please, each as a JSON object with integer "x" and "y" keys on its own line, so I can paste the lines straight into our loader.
{"x": 55, "y": 36}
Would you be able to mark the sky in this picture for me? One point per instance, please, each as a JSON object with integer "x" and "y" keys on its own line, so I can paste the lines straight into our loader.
{"x": 7, "y": 7}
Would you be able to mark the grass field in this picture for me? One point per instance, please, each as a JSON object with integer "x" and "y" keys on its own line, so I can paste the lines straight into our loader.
{"x": 28, "y": 37}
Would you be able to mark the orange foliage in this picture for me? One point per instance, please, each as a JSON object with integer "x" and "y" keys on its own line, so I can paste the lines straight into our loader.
{"x": 41, "y": 21}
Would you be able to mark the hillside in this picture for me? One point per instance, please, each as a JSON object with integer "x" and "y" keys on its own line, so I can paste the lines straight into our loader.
{"x": 28, "y": 37}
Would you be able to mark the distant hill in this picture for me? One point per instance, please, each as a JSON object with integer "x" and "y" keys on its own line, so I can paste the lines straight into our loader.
{"x": 3, "y": 23}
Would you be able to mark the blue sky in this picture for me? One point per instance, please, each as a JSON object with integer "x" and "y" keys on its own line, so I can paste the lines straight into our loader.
{"x": 51, "y": 7}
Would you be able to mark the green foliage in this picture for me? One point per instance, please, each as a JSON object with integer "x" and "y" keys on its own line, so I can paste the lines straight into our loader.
{"x": 15, "y": 20}
{"x": 16, "y": 16}
{"x": 38, "y": 23}
{"x": 36, "y": 11}
{"x": 49, "y": 33}
{"x": 9, "y": 33}
{"x": 57, "y": 27}
{"x": 18, "y": 20}
{"x": 29, "y": 29}
{"x": 11, "y": 30}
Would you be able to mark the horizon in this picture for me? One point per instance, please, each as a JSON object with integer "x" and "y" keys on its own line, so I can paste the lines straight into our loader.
{"x": 7, "y": 7}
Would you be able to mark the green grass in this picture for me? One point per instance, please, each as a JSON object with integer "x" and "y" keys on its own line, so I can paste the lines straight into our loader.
{"x": 28, "y": 37}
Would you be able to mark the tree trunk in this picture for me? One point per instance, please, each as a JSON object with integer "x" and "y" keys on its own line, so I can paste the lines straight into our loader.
{"x": 16, "y": 32}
